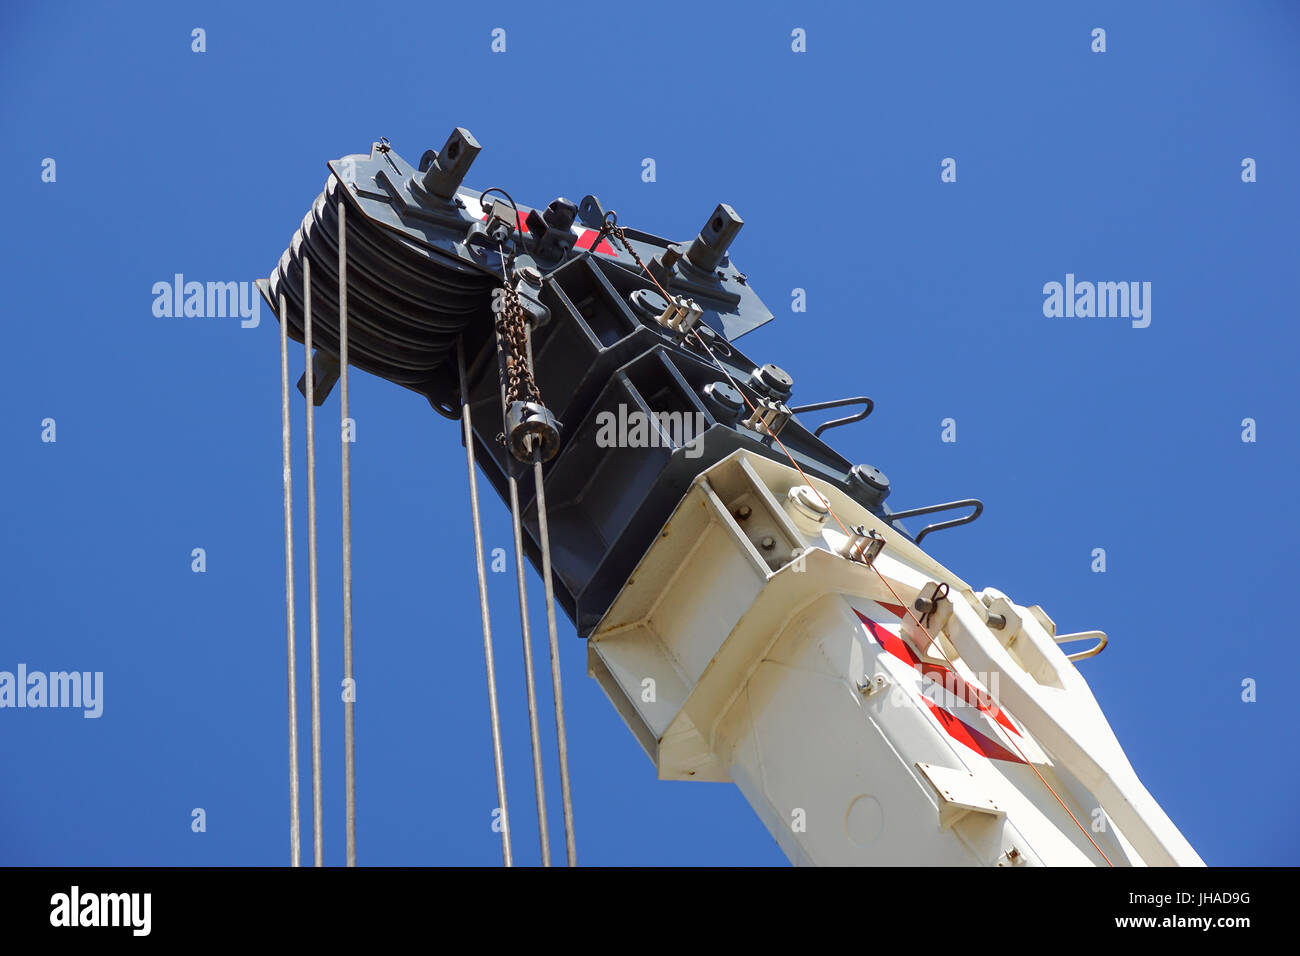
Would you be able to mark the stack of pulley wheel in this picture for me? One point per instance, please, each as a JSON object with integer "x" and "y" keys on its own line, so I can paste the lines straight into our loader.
{"x": 406, "y": 304}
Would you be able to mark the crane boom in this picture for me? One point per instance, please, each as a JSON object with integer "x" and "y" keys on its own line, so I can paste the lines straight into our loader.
{"x": 752, "y": 607}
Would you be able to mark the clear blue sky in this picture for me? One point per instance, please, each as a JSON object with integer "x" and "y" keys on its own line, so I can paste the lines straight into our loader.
{"x": 1077, "y": 433}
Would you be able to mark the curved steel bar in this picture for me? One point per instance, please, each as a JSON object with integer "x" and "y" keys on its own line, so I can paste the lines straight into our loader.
{"x": 868, "y": 406}
{"x": 973, "y": 503}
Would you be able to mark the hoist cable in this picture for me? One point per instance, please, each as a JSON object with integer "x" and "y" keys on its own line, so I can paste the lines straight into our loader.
{"x": 538, "y": 783}
{"x": 345, "y": 440}
{"x": 561, "y": 736}
{"x": 488, "y": 657}
{"x": 318, "y": 840}
{"x": 295, "y": 846}
{"x": 512, "y": 485}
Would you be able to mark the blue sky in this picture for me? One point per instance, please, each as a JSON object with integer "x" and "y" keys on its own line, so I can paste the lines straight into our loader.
{"x": 1077, "y": 433}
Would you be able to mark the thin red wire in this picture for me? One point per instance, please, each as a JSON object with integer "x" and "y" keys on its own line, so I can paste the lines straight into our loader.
{"x": 1027, "y": 761}
{"x": 699, "y": 338}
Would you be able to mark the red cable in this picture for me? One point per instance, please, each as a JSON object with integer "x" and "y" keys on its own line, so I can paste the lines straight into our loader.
{"x": 699, "y": 338}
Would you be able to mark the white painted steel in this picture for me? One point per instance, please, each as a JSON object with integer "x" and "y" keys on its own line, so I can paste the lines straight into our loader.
{"x": 735, "y": 652}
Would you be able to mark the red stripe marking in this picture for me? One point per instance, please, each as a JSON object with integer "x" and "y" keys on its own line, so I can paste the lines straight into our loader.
{"x": 967, "y": 692}
{"x": 941, "y": 675}
{"x": 584, "y": 241}
{"x": 964, "y": 733}
{"x": 891, "y": 642}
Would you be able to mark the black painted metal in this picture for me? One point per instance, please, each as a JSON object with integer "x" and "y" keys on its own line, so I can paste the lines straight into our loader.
{"x": 643, "y": 409}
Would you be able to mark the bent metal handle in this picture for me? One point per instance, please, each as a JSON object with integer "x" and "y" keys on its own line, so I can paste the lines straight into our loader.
{"x": 867, "y": 406}
{"x": 1098, "y": 636}
{"x": 973, "y": 503}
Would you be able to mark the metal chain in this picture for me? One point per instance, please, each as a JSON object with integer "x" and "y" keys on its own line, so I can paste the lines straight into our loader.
{"x": 614, "y": 229}
{"x": 512, "y": 333}
{"x": 610, "y": 227}
{"x": 617, "y": 232}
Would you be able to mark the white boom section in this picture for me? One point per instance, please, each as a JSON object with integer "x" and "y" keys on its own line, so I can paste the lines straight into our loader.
{"x": 745, "y": 648}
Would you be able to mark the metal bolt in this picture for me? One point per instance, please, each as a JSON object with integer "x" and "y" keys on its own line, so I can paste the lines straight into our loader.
{"x": 768, "y": 543}
{"x": 743, "y": 512}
